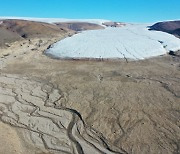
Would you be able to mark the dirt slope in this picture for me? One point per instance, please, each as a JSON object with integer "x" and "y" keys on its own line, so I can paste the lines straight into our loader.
{"x": 14, "y": 30}
{"x": 7, "y": 36}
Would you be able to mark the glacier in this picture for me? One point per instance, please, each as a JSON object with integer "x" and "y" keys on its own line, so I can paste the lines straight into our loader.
{"x": 133, "y": 41}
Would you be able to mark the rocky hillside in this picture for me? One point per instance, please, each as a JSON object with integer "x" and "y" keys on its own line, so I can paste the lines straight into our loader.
{"x": 172, "y": 27}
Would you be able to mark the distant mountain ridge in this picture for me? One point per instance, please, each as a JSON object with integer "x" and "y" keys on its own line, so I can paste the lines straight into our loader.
{"x": 79, "y": 26}
{"x": 58, "y": 20}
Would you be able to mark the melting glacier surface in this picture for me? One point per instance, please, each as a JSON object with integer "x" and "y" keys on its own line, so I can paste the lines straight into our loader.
{"x": 133, "y": 41}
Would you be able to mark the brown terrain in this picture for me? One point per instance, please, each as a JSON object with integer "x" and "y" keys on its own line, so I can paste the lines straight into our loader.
{"x": 15, "y": 30}
{"x": 172, "y": 27}
{"x": 50, "y": 106}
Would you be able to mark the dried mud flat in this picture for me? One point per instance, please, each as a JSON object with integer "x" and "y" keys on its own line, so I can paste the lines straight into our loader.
{"x": 55, "y": 106}
{"x": 34, "y": 106}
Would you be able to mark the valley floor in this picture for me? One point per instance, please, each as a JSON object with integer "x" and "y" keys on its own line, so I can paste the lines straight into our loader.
{"x": 51, "y": 106}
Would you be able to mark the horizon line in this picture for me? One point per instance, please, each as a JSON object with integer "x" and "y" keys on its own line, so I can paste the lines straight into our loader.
{"x": 96, "y": 19}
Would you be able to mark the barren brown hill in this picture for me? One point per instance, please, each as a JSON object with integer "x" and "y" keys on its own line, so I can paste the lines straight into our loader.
{"x": 172, "y": 27}
{"x": 79, "y": 26}
{"x": 13, "y": 30}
